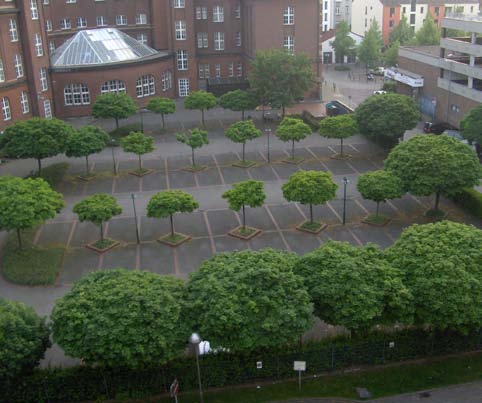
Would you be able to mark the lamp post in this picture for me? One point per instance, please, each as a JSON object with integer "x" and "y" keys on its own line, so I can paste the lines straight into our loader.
{"x": 268, "y": 132}
{"x": 345, "y": 183}
{"x": 141, "y": 113}
{"x": 449, "y": 87}
{"x": 112, "y": 144}
{"x": 133, "y": 196}
{"x": 195, "y": 339}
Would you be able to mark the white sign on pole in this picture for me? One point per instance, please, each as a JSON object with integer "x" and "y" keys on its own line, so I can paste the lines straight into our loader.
{"x": 300, "y": 366}
{"x": 259, "y": 364}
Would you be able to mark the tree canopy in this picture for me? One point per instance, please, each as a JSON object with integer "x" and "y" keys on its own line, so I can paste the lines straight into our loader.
{"x": 114, "y": 105}
{"x": 138, "y": 143}
{"x": 369, "y": 50}
{"x": 429, "y": 32}
{"x": 37, "y": 138}
{"x": 343, "y": 44}
{"x": 24, "y": 337}
{"x": 241, "y": 132}
{"x": 200, "y": 100}
{"x": 164, "y": 204}
{"x": 402, "y": 33}
{"x": 238, "y": 100}
{"x": 442, "y": 266}
{"x": 294, "y": 130}
{"x": 121, "y": 319}
{"x": 195, "y": 139}
{"x": 471, "y": 125}
{"x": 354, "y": 286}
{"x": 390, "y": 56}
{"x": 248, "y": 300}
{"x": 162, "y": 106}
{"x": 339, "y": 127}
{"x": 246, "y": 193}
{"x": 428, "y": 164}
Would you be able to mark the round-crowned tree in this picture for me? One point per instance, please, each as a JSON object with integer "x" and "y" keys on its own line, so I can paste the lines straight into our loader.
{"x": 294, "y": 130}
{"x": 442, "y": 267}
{"x": 162, "y": 106}
{"x": 471, "y": 125}
{"x": 114, "y": 105}
{"x": 428, "y": 164}
{"x": 24, "y": 337}
{"x": 238, "y": 100}
{"x": 195, "y": 139}
{"x": 200, "y": 100}
{"x": 248, "y": 300}
{"x": 121, "y": 319}
{"x": 354, "y": 286}
{"x": 140, "y": 144}
{"x": 241, "y": 132}
{"x": 339, "y": 127}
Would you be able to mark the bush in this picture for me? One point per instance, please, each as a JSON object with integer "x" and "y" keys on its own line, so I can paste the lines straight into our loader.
{"x": 309, "y": 119}
{"x": 470, "y": 200}
{"x": 123, "y": 131}
{"x": 342, "y": 67}
{"x": 390, "y": 86}
{"x": 53, "y": 174}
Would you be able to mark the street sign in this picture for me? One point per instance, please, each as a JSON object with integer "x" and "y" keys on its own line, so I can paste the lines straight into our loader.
{"x": 300, "y": 366}
{"x": 259, "y": 364}
{"x": 174, "y": 389}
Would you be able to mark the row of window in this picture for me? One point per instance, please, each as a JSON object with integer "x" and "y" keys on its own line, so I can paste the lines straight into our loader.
{"x": 218, "y": 13}
{"x": 24, "y": 105}
{"x": 18, "y": 65}
{"x": 203, "y": 40}
{"x": 101, "y": 21}
{"x": 13, "y": 34}
{"x": 205, "y": 70}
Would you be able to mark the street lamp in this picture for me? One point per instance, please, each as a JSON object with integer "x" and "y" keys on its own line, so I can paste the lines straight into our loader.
{"x": 133, "y": 196}
{"x": 345, "y": 183}
{"x": 450, "y": 63}
{"x": 195, "y": 339}
{"x": 112, "y": 144}
{"x": 141, "y": 113}
{"x": 268, "y": 132}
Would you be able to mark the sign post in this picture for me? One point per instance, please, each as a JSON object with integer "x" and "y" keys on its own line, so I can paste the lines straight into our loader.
{"x": 174, "y": 389}
{"x": 299, "y": 366}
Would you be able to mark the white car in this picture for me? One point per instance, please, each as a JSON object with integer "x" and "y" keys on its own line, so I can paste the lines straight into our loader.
{"x": 379, "y": 92}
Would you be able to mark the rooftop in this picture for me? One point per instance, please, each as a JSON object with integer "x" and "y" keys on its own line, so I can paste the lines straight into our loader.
{"x": 433, "y": 50}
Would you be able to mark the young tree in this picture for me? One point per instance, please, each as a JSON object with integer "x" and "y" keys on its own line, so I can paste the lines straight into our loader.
{"x": 200, "y": 100}
{"x": 196, "y": 139}
{"x": 339, "y": 127}
{"x": 25, "y": 203}
{"x": 402, "y": 33}
{"x": 390, "y": 56}
{"x": 369, "y": 50}
{"x": 24, "y": 339}
{"x": 429, "y": 33}
{"x": 98, "y": 209}
{"x": 163, "y": 106}
{"x": 166, "y": 204}
{"x": 354, "y": 286}
{"x": 35, "y": 138}
{"x": 343, "y": 44}
{"x": 471, "y": 125}
{"x": 86, "y": 141}
{"x": 310, "y": 187}
{"x": 292, "y": 129}
{"x": 441, "y": 266}
{"x": 114, "y": 105}
{"x": 122, "y": 319}
{"x": 428, "y": 164}
{"x": 240, "y": 132}
{"x": 379, "y": 186}
{"x": 238, "y": 100}
{"x": 246, "y": 193}
{"x": 140, "y": 144}
{"x": 387, "y": 117}
{"x": 248, "y": 300}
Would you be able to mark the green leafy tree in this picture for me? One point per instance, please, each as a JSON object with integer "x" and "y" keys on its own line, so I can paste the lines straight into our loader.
{"x": 246, "y": 193}
{"x": 390, "y": 56}
{"x": 354, "y": 286}
{"x": 343, "y": 44}
{"x": 97, "y": 209}
{"x": 121, "y": 319}
{"x": 428, "y": 164}
{"x": 241, "y": 132}
{"x": 24, "y": 337}
{"x": 429, "y": 32}
{"x": 248, "y": 300}
{"x": 238, "y": 100}
{"x": 310, "y": 187}
{"x": 196, "y": 139}
{"x": 369, "y": 50}
{"x": 471, "y": 125}
{"x": 138, "y": 143}
{"x": 338, "y": 127}
{"x": 35, "y": 138}
{"x": 292, "y": 129}
{"x": 379, "y": 186}
{"x": 200, "y": 100}
{"x": 279, "y": 78}
{"x": 387, "y": 116}
{"x": 114, "y": 105}
{"x": 163, "y": 106}
{"x": 25, "y": 203}
{"x": 402, "y": 33}
{"x": 86, "y": 141}
{"x": 442, "y": 267}
{"x": 167, "y": 203}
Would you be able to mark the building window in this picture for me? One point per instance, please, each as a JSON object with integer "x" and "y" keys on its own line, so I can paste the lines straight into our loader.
{"x": 51, "y": 47}
{"x": 114, "y": 86}
{"x": 43, "y": 79}
{"x": 145, "y": 86}
{"x": 181, "y": 30}
{"x": 48, "y": 25}
{"x": 183, "y": 87}
{"x": 141, "y": 19}
{"x": 39, "y": 50}
{"x": 391, "y": 23}
{"x": 289, "y": 43}
{"x": 217, "y": 67}
{"x": 81, "y": 22}
{"x": 71, "y": 1}
{"x": 238, "y": 38}
{"x": 421, "y": 10}
{"x": 34, "y": 9}
{"x": 412, "y": 18}
{"x": 65, "y": 23}
{"x": 24, "y": 102}
{"x": 182, "y": 60}
{"x": 437, "y": 11}
{"x": 201, "y": 13}
{"x": 2, "y": 72}
{"x": 179, "y": 3}
{"x": 202, "y": 40}
{"x": 289, "y": 16}
{"x": 46, "y": 2}
{"x": 166, "y": 79}
{"x": 231, "y": 69}
{"x": 101, "y": 21}
{"x": 76, "y": 94}
{"x": 6, "y": 112}
{"x": 204, "y": 71}
{"x": 18, "y": 66}
{"x": 121, "y": 20}
{"x": 47, "y": 109}
{"x": 12, "y": 30}
{"x": 219, "y": 41}
{"x": 218, "y": 14}
{"x": 142, "y": 38}
{"x": 404, "y": 10}
{"x": 237, "y": 11}
{"x": 392, "y": 11}
{"x": 240, "y": 70}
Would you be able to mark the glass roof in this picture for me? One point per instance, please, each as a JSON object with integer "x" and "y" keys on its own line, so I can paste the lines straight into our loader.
{"x": 99, "y": 46}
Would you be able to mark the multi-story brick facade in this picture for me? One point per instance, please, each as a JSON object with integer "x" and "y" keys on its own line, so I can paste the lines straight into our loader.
{"x": 197, "y": 40}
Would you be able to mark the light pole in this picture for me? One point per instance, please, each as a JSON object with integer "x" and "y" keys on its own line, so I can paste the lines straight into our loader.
{"x": 141, "y": 113}
{"x": 268, "y": 132}
{"x": 449, "y": 87}
{"x": 345, "y": 183}
{"x": 135, "y": 216}
{"x": 195, "y": 339}
{"x": 112, "y": 144}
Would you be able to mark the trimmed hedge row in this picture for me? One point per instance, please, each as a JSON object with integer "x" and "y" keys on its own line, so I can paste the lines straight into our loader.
{"x": 470, "y": 200}
{"x": 221, "y": 369}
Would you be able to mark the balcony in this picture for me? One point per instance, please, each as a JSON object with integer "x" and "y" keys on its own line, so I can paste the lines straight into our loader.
{"x": 457, "y": 45}
{"x": 460, "y": 89}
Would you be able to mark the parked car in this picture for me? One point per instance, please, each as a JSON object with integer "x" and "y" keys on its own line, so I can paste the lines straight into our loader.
{"x": 370, "y": 77}
{"x": 379, "y": 92}
{"x": 437, "y": 128}
{"x": 379, "y": 71}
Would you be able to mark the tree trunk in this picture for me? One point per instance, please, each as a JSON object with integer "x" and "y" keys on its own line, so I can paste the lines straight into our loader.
{"x": 262, "y": 109}
{"x": 242, "y": 115}
{"x": 140, "y": 163}
{"x": 192, "y": 156}
{"x": 39, "y": 163}
{"x": 244, "y": 218}
{"x": 244, "y": 148}
{"x": 163, "y": 123}
{"x": 283, "y": 111}
{"x": 311, "y": 213}
{"x": 86, "y": 165}
{"x": 437, "y": 200}
{"x": 293, "y": 150}
{"x": 341, "y": 150}
{"x": 172, "y": 226}
{"x": 20, "y": 245}
{"x": 202, "y": 116}
{"x": 116, "y": 123}
{"x": 101, "y": 232}
{"x": 378, "y": 205}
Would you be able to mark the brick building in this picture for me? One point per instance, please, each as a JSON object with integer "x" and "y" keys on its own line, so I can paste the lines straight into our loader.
{"x": 192, "y": 41}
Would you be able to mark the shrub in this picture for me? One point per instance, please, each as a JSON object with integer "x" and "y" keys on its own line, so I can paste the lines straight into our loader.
{"x": 390, "y": 86}
{"x": 53, "y": 174}
{"x": 470, "y": 200}
{"x": 309, "y": 119}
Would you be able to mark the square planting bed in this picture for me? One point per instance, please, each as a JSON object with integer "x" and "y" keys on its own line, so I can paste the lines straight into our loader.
{"x": 141, "y": 172}
{"x": 338, "y": 156}
{"x": 295, "y": 161}
{"x": 247, "y": 233}
{"x": 175, "y": 240}
{"x": 194, "y": 168}
{"x": 436, "y": 215}
{"x": 377, "y": 221}
{"x": 244, "y": 164}
{"x": 312, "y": 228}
{"x": 87, "y": 178}
{"x": 103, "y": 246}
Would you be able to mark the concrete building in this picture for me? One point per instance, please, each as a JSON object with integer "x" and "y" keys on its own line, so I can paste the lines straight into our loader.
{"x": 196, "y": 43}
{"x": 333, "y": 12}
{"x": 445, "y": 80}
